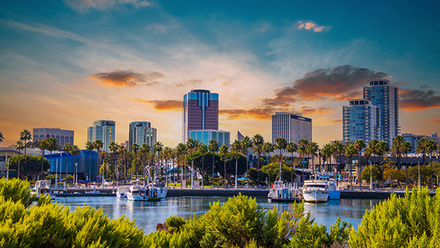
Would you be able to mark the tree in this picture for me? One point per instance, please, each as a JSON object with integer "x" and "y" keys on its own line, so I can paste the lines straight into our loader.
{"x": 75, "y": 151}
{"x": 19, "y": 146}
{"x": 29, "y": 165}
{"x": 167, "y": 153}
{"x": 291, "y": 147}
{"x": 192, "y": 146}
{"x": 113, "y": 147}
{"x": 338, "y": 150}
{"x": 267, "y": 149}
{"x": 382, "y": 150}
{"x": 181, "y": 150}
{"x": 223, "y": 151}
{"x": 400, "y": 147}
{"x": 89, "y": 147}
{"x": 423, "y": 148}
{"x": 134, "y": 169}
{"x": 367, "y": 154}
{"x": 1, "y": 137}
{"x": 373, "y": 170}
{"x": 280, "y": 144}
{"x": 67, "y": 148}
{"x": 359, "y": 145}
{"x": 258, "y": 143}
{"x": 203, "y": 149}
{"x": 213, "y": 147}
{"x": 42, "y": 145}
{"x": 350, "y": 151}
{"x": 246, "y": 143}
{"x": 312, "y": 150}
{"x": 158, "y": 148}
{"x": 302, "y": 150}
{"x": 236, "y": 148}
{"x": 97, "y": 144}
{"x": 327, "y": 153}
{"x": 25, "y": 135}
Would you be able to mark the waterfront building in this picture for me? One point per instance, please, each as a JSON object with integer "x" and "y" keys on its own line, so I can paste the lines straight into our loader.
{"x": 200, "y": 111}
{"x": 385, "y": 96}
{"x": 291, "y": 127}
{"x": 360, "y": 121}
{"x": 61, "y": 136}
{"x": 414, "y": 138}
{"x": 141, "y": 132}
{"x": 103, "y": 130}
{"x": 5, "y": 154}
{"x": 205, "y": 136}
{"x": 87, "y": 164}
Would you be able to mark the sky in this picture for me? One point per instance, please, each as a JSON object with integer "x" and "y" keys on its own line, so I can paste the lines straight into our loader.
{"x": 65, "y": 64}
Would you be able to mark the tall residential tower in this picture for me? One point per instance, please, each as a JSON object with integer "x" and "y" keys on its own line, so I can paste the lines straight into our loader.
{"x": 360, "y": 121}
{"x": 141, "y": 133}
{"x": 103, "y": 130}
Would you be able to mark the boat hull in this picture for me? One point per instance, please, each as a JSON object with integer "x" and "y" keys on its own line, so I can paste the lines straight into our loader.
{"x": 315, "y": 196}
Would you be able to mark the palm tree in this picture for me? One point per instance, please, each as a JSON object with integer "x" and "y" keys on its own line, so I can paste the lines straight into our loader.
{"x": 75, "y": 151}
{"x": 180, "y": 149}
{"x": 423, "y": 148}
{"x": 223, "y": 151}
{"x": 367, "y": 154}
{"x": 192, "y": 146}
{"x": 144, "y": 153}
{"x": 338, "y": 150}
{"x": 203, "y": 149}
{"x": 350, "y": 151}
{"x": 42, "y": 145}
{"x": 213, "y": 147}
{"x": 267, "y": 149}
{"x": 280, "y": 144}
{"x": 302, "y": 150}
{"x": 89, "y": 147}
{"x": 432, "y": 147}
{"x": 327, "y": 152}
{"x": 97, "y": 144}
{"x": 158, "y": 148}
{"x": 1, "y": 137}
{"x": 400, "y": 147}
{"x": 312, "y": 150}
{"x": 67, "y": 148}
{"x": 52, "y": 146}
{"x": 167, "y": 155}
{"x": 359, "y": 145}
{"x": 135, "y": 148}
{"x": 25, "y": 136}
{"x": 291, "y": 147}
{"x": 113, "y": 147}
{"x": 258, "y": 143}
{"x": 246, "y": 143}
{"x": 19, "y": 146}
{"x": 382, "y": 150}
{"x": 236, "y": 147}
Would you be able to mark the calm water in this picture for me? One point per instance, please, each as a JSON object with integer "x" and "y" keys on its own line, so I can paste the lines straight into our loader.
{"x": 149, "y": 214}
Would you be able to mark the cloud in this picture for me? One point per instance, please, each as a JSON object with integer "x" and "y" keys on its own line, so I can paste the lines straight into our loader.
{"x": 307, "y": 110}
{"x": 436, "y": 120}
{"x": 336, "y": 121}
{"x": 188, "y": 83}
{"x": 310, "y": 25}
{"x": 255, "y": 113}
{"x": 412, "y": 100}
{"x": 338, "y": 84}
{"x": 84, "y": 5}
{"x": 163, "y": 104}
{"x": 127, "y": 78}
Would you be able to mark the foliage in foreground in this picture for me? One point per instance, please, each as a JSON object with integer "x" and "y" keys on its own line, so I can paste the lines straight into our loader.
{"x": 410, "y": 221}
{"x": 240, "y": 223}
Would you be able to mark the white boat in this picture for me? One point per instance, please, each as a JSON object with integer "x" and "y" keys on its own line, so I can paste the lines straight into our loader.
{"x": 315, "y": 191}
{"x": 333, "y": 190}
{"x": 122, "y": 192}
{"x": 149, "y": 193}
{"x": 281, "y": 192}
{"x": 42, "y": 187}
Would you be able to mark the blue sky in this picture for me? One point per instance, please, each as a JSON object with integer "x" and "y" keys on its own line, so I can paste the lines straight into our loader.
{"x": 67, "y": 63}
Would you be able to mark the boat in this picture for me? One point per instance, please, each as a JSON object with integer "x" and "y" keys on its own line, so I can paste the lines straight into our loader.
{"x": 42, "y": 187}
{"x": 284, "y": 192}
{"x": 122, "y": 192}
{"x": 149, "y": 193}
{"x": 333, "y": 190}
{"x": 315, "y": 191}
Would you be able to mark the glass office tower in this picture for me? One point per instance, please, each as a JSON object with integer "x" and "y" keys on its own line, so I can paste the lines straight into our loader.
{"x": 141, "y": 133}
{"x": 103, "y": 130}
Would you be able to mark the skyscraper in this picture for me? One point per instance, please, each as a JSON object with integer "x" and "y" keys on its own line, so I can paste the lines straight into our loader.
{"x": 360, "y": 121}
{"x": 103, "y": 130}
{"x": 385, "y": 96}
{"x": 141, "y": 132}
{"x": 200, "y": 111}
{"x": 291, "y": 127}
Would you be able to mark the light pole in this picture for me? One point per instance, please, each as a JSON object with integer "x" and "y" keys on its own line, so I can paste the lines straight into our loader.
{"x": 76, "y": 175}
{"x": 56, "y": 175}
{"x": 192, "y": 174}
{"x": 371, "y": 176}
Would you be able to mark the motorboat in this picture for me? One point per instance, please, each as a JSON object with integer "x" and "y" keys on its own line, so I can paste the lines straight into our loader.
{"x": 42, "y": 187}
{"x": 121, "y": 192}
{"x": 315, "y": 191}
{"x": 284, "y": 192}
{"x": 333, "y": 190}
{"x": 148, "y": 193}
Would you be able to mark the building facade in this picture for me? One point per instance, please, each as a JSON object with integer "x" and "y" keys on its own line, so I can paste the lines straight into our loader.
{"x": 200, "y": 112}
{"x": 413, "y": 139}
{"x": 61, "y": 136}
{"x": 103, "y": 130}
{"x": 291, "y": 127}
{"x": 360, "y": 121}
{"x": 385, "y": 96}
{"x": 205, "y": 136}
{"x": 141, "y": 132}
{"x": 85, "y": 164}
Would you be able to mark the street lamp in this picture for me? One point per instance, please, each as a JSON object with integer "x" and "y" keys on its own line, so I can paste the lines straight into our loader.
{"x": 76, "y": 174}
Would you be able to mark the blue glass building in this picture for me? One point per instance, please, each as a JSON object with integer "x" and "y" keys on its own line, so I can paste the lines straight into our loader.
{"x": 205, "y": 136}
{"x": 360, "y": 121}
{"x": 84, "y": 168}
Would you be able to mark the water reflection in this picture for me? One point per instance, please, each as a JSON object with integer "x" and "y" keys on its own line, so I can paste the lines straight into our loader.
{"x": 149, "y": 214}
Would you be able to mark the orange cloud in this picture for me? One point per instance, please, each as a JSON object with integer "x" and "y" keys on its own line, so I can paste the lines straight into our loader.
{"x": 412, "y": 100}
{"x": 126, "y": 78}
{"x": 310, "y": 111}
{"x": 310, "y": 25}
{"x": 163, "y": 104}
{"x": 336, "y": 121}
{"x": 255, "y": 113}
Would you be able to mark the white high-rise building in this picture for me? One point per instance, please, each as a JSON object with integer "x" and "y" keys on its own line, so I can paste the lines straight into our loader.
{"x": 291, "y": 127}
{"x": 386, "y": 97}
{"x": 360, "y": 121}
{"x": 103, "y": 130}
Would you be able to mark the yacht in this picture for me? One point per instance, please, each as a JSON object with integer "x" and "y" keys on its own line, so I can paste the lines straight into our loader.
{"x": 122, "y": 192}
{"x": 148, "y": 193}
{"x": 315, "y": 191}
{"x": 281, "y": 192}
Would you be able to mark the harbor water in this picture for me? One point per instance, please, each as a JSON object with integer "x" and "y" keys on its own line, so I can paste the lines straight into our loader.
{"x": 149, "y": 214}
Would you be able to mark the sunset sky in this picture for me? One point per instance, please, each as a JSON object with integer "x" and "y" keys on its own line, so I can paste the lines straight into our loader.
{"x": 67, "y": 63}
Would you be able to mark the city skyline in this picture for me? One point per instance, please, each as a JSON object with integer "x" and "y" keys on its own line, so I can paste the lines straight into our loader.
{"x": 68, "y": 63}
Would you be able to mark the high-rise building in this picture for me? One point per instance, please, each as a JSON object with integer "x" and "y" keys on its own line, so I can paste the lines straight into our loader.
{"x": 291, "y": 127}
{"x": 385, "y": 96}
{"x": 205, "y": 136}
{"x": 141, "y": 133}
{"x": 360, "y": 121}
{"x": 61, "y": 136}
{"x": 200, "y": 111}
{"x": 103, "y": 130}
